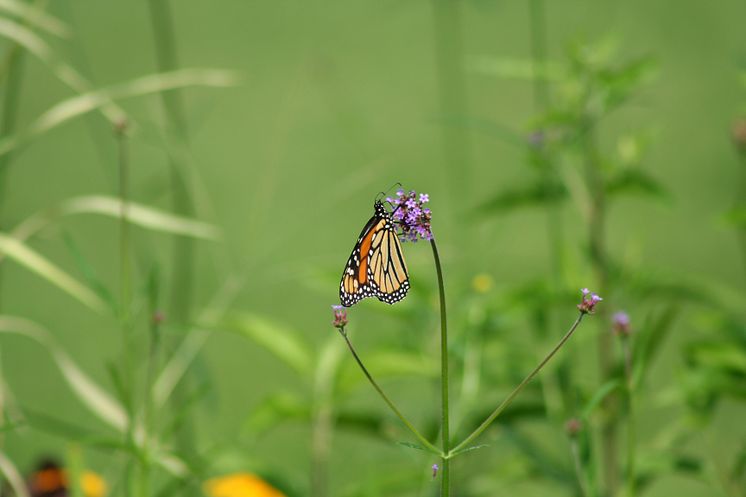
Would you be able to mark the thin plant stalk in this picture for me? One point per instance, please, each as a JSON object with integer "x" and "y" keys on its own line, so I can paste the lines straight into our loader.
{"x": 452, "y": 93}
{"x": 14, "y": 65}
{"x": 445, "y": 474}
{"x": 509, "y": 399}
{"x": 599, "y": 263}
{"x": 553, "y": 214}
{"x": 182, "y": 278}
{"x": 167, "y": 60}
{"x": 580, "y": 474}
{"x": 419, "y": 436}
{"x": 631, "y": 420}
{"x": 322, "y": 419}
{"x": 125, "y": 298}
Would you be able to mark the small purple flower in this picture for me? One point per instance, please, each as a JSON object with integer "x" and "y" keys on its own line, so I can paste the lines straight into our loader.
{"x": 340, "y": 317}
{"x": 435, "y": 471}
{"x": 573, "y": 427}
{"x": 620, "y": 323}
{"x": 410, "y": 215}
{"x": 588, "y": 301}
{"x": 537, "y": 139}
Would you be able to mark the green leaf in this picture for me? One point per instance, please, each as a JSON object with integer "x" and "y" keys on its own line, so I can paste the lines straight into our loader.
{"x": 13, "y": 476}
{"x": 511, "y": 68}
{"x": 412, "y": 445}
{"x": 533, "y": 195}
{"x": 89, "y": 273}
{"x": 35, "y": 16}
{"x": 469, "y": 449}
{"x": 177, "y": 365}
{"x": 276, "y": 409}
{"x": 601, "y": 393}
{"x": 33, "y": 261}
{"x": 139, "y": 215}
{"x": 717, "y": 355}
{"x": 88, "y": 392}
{"x": 635, "y": 180}
{"x": 277, "y": 339}
{"x": 618, "y": 84}
{"x": 651, "y": 338}
{"x": 35, "y": 45}
{"x": 736, "y": 217}
{"x": 401, "y": 363}
{"x": 87, "y": 102}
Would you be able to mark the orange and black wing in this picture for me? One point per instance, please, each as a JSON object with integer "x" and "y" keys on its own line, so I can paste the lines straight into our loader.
{"x": 376, "y": 267}
{"x": 387, "y": 267}
{"x": 356, "y": 282}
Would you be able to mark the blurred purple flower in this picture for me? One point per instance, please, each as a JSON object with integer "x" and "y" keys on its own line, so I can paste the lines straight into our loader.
{"x": 620, "y": 323}
{"x": 435, "y": 471}
{"x": 409, "y": 215}
{"x": 340, "y": 317}
{"x": 573, "y": 426}
{"x": 588, "y": 301}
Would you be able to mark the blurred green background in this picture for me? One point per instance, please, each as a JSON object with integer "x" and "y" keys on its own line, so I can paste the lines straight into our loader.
{"x": 336, "y": 101}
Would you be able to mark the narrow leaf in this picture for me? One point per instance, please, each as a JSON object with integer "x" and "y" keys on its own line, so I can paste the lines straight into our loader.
{"x": 536, "y": 194}
{"x": 13, "y": 476}
{"x": 93, "y": 100}
{"x": 603, "y": 391}
{"x": 36, "y": 17}
{"x": 33, "y": 261}
{"x": 523, "y": 69}
{"x": 277, "y": 339}
{"x": 635, "y": 180}
{"x": 87, "y": 391}
{"x": 141, "y": 215}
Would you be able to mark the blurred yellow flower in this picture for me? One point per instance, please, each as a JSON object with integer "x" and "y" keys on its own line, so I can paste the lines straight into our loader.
{"x": 240, "y": 485}
{"x": 93, "y": 485}
{"x": 482, "y": 283}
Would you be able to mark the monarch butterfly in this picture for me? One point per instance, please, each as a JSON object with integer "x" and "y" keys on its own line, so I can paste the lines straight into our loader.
{"x": 376, "y": 267}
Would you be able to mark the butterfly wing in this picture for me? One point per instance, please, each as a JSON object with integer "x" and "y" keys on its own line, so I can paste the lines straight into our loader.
{"x": 356, "y": 281}
{"x": 388, "y": 269}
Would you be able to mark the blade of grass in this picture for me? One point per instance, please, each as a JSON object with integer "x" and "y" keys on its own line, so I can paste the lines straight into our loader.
{"x": 33, "y": 261}
{"x": 94, "y": 397}
{"x": 13, "y": 476}
{"x": 84, "y": 103}
{"x": 64, "y": 72}
{"x": 35, "y": 16}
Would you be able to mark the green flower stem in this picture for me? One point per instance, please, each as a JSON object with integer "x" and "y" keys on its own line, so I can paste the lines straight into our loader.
{"x": 388, "y": 401}
{"x": 167, "y": 60}
{"x": 446, "y": 435}
{"x": 631, "y": 422}
{"x": 599, "y": 262}
{"x": 509, "y": 399}
{"x": 14, "y": 71}
{"x": 580, "y": 474}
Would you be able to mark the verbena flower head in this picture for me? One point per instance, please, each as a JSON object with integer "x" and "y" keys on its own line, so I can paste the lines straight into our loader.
{"x": 620, "y": 323}
{"x": 573, "y": 426}
{"x": 588, "y": 301}
{"x": 411, "y": 215}
{"x": 340, "y": 317}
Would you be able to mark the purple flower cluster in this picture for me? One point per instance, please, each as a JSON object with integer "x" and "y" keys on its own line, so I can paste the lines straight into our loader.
{"x": 411, "y": 216}
{"x": 621, "y": 324}
{"x": 340, "y": 317}
{"x": 588, "y": 301}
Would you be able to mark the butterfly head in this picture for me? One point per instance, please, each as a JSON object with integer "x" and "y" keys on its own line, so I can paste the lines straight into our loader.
{"x": 380, "y": 209}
